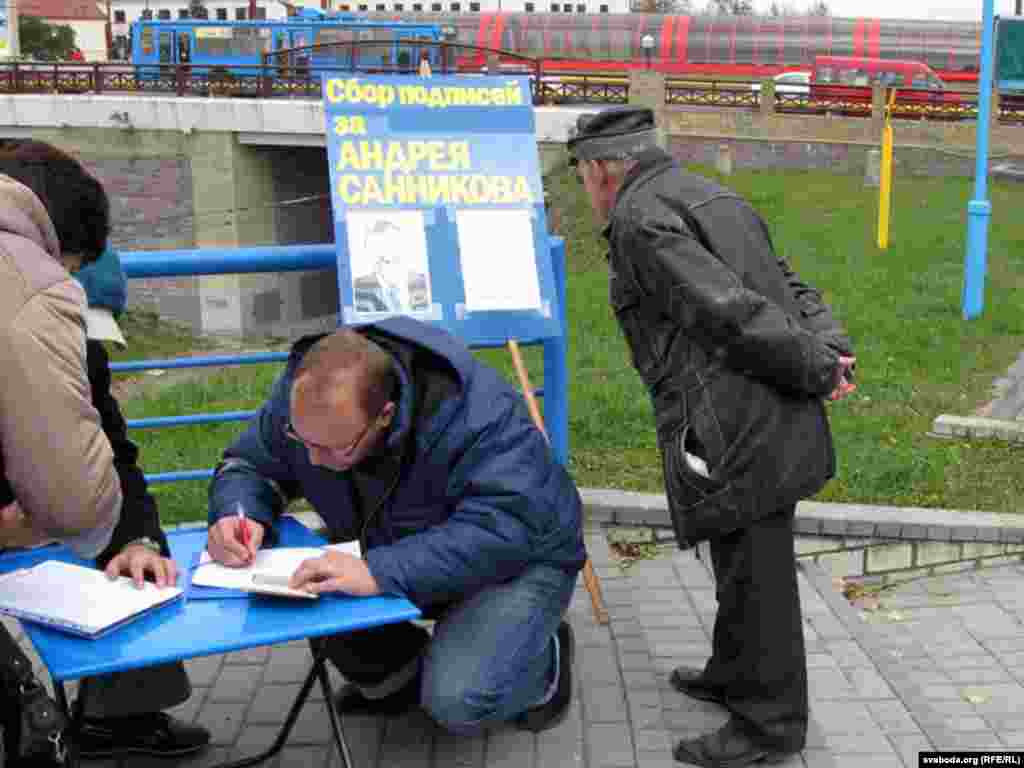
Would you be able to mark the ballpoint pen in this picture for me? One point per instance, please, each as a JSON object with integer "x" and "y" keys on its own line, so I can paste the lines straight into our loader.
{"x": 243, "y": 528}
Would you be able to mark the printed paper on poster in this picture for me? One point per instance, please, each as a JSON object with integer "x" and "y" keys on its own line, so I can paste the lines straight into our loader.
{"x": 499, "y": 264}
{"x": 388, "y": 258}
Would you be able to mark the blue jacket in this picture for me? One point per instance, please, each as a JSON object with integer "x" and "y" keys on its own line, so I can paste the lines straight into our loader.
{"x": 466, "y": 492}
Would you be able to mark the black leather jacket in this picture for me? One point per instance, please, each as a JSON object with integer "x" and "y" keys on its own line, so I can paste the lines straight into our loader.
{"x": 736, "y": 352}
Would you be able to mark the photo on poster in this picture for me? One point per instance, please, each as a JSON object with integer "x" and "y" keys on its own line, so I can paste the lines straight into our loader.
{"x": 498, "y": 259}
{"x": 388, "y": 261}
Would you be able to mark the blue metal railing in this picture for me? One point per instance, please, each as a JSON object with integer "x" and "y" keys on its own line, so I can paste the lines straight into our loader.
{"x": 294, "y": 258}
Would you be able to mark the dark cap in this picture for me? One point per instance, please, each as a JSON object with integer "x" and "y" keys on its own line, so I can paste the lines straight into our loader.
{"x": 614, "y": 133}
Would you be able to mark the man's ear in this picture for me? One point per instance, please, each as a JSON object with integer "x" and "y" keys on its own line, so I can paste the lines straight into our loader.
{"x": 387, "y": 413}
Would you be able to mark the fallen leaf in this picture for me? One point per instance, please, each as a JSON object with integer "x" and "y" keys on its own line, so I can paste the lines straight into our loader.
{"x": 867, "y": 603}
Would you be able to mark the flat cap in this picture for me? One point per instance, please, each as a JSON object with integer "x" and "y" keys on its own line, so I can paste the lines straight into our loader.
{"x": 614, "y": 133}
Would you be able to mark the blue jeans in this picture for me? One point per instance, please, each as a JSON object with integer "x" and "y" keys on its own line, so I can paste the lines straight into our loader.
{"x": 491, "y": 656}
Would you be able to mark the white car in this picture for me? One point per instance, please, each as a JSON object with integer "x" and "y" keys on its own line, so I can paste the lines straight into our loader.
{"x": 797, "y": 83}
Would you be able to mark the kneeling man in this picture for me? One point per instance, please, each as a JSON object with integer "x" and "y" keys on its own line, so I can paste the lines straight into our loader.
{"x": 399, "y": 438}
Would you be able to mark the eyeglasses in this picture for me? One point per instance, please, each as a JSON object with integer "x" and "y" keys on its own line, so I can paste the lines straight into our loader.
{"x": 291, "y": 434}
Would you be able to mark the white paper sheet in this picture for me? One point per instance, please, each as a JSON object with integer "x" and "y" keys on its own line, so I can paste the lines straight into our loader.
{"x": 499, "y": 264}
{"x": 270, "y": 572}
{"x": 76, "y": 599}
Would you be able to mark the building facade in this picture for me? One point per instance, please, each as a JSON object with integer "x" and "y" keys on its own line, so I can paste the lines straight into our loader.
{"x": 87, "y": 17}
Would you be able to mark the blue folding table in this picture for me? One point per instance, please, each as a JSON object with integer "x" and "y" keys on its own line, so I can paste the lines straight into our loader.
{"x": 186, "y": 629}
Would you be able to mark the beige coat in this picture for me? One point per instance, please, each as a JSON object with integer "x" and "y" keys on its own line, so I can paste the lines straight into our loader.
{"x": 52, "y": 447}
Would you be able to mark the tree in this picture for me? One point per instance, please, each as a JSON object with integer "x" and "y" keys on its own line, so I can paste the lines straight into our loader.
{"x": 819, "y": 8}
{"x": 663, "y": 6}
{"x": 47, "y": 42}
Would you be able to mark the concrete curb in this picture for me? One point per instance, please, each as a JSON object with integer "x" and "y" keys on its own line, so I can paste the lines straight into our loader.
{"x": 613, "y": 507}
{"x": 888, "y": 665}
{"x": 978, "y": 428}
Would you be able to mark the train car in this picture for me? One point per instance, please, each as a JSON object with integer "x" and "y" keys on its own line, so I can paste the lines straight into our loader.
{"x": 237, "y": 47}
{"x": 716, "y": 46}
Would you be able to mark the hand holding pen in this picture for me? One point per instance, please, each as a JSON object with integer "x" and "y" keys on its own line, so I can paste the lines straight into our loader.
{"x": 243, "y": 530}
{"x": 235, "y": 539}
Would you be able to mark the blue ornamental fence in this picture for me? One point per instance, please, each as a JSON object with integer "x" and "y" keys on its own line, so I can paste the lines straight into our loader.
{"x": 294, "y": 258}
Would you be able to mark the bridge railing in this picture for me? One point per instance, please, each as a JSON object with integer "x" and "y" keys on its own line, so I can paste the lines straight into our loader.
{"x": 292, "y": 258}
{"x": 283, "y": 78}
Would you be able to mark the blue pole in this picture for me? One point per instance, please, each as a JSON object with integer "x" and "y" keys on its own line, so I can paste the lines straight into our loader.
{"x": 199, "y": 362}
{"x": 156, "y": 422}
{"x": 556, "y": 365}
{"x": 979, "y": 210}
{"x": 228, "y": 261}
{"x": 177, "y": 477}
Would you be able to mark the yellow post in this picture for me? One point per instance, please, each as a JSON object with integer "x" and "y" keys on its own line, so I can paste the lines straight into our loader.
{"x": 885, "y": 176}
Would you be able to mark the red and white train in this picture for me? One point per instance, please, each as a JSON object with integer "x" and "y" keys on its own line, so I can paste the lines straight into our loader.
{"x": 715, "y": 46}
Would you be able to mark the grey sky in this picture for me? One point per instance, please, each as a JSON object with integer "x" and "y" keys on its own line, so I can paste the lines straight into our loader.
{"x": 960, "y": 10}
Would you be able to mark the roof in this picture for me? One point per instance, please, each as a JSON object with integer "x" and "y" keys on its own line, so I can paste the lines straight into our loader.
{"x": 64, "y": 10}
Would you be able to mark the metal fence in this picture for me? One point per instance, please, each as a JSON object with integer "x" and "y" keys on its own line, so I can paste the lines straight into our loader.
{"x": 292, "y": 258}
{"x": 284, "y": 80}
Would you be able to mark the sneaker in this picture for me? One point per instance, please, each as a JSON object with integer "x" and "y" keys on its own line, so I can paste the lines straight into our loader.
{"x": 551, "y": 713}
{"x": 351, "y": 701}
{"x": 157, "y": 734}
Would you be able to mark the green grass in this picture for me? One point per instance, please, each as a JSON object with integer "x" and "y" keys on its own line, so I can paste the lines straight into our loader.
{"x": 150, "y": 338}
{"x": 916, "y": 357}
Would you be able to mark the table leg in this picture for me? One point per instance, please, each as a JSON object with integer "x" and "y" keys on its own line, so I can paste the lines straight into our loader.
{"x": 325, "y": 684}
{"x": 289, "y": 722}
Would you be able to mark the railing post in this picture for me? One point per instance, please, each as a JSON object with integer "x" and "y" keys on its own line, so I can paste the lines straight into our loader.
{"x": 179, "y": 77}
{"x": 647, "y": 89}
{"x": 766, "y": 97}
{"x": 556, "y": 364}
{"x": 97, "y": 79}
{"x": 878, "y": 105}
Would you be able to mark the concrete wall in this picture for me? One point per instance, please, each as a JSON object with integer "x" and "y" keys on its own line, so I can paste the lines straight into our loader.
{"x": 176, "y": 190}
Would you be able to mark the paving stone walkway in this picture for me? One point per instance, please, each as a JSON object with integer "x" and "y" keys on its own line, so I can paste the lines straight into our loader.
{"x": 939, "y": 665}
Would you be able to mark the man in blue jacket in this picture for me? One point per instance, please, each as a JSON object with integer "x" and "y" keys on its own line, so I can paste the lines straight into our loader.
{"x": 399, "y": 438}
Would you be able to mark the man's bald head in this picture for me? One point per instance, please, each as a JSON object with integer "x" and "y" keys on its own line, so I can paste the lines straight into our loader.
{"x": 346, "y": 368}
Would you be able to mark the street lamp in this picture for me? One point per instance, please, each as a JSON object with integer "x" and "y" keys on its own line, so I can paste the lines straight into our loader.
{"x": 647, "y": 43}
{"x": 448, "y": 33}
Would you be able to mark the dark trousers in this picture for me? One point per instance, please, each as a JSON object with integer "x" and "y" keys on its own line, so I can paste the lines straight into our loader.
{"x": 136, "y": 691}
{"x": 758, "y": 656}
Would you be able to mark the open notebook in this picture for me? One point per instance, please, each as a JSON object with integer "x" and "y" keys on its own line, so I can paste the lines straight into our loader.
{"x": 77, "y": 599}
{"x": 269, "y": 574}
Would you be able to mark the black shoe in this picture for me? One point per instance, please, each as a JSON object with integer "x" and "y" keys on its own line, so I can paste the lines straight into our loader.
{"x": 728, "y": 747}
{"x": 691, "y": 682}
{"x": 351, "y": 701}
{"x": 157, "y": 734}
{"x": 550, "y": 714}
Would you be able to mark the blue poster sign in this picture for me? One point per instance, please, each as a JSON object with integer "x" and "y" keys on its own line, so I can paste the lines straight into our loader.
{"x": 438, "y": 204}
{"x": 5, "y": 33}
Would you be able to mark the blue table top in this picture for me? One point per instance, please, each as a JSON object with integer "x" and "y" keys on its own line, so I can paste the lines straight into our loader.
{"x": 187, "y": 628}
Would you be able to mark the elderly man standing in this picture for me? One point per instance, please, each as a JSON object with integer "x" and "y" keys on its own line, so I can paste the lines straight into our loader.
{"x": 737, "y": 355}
